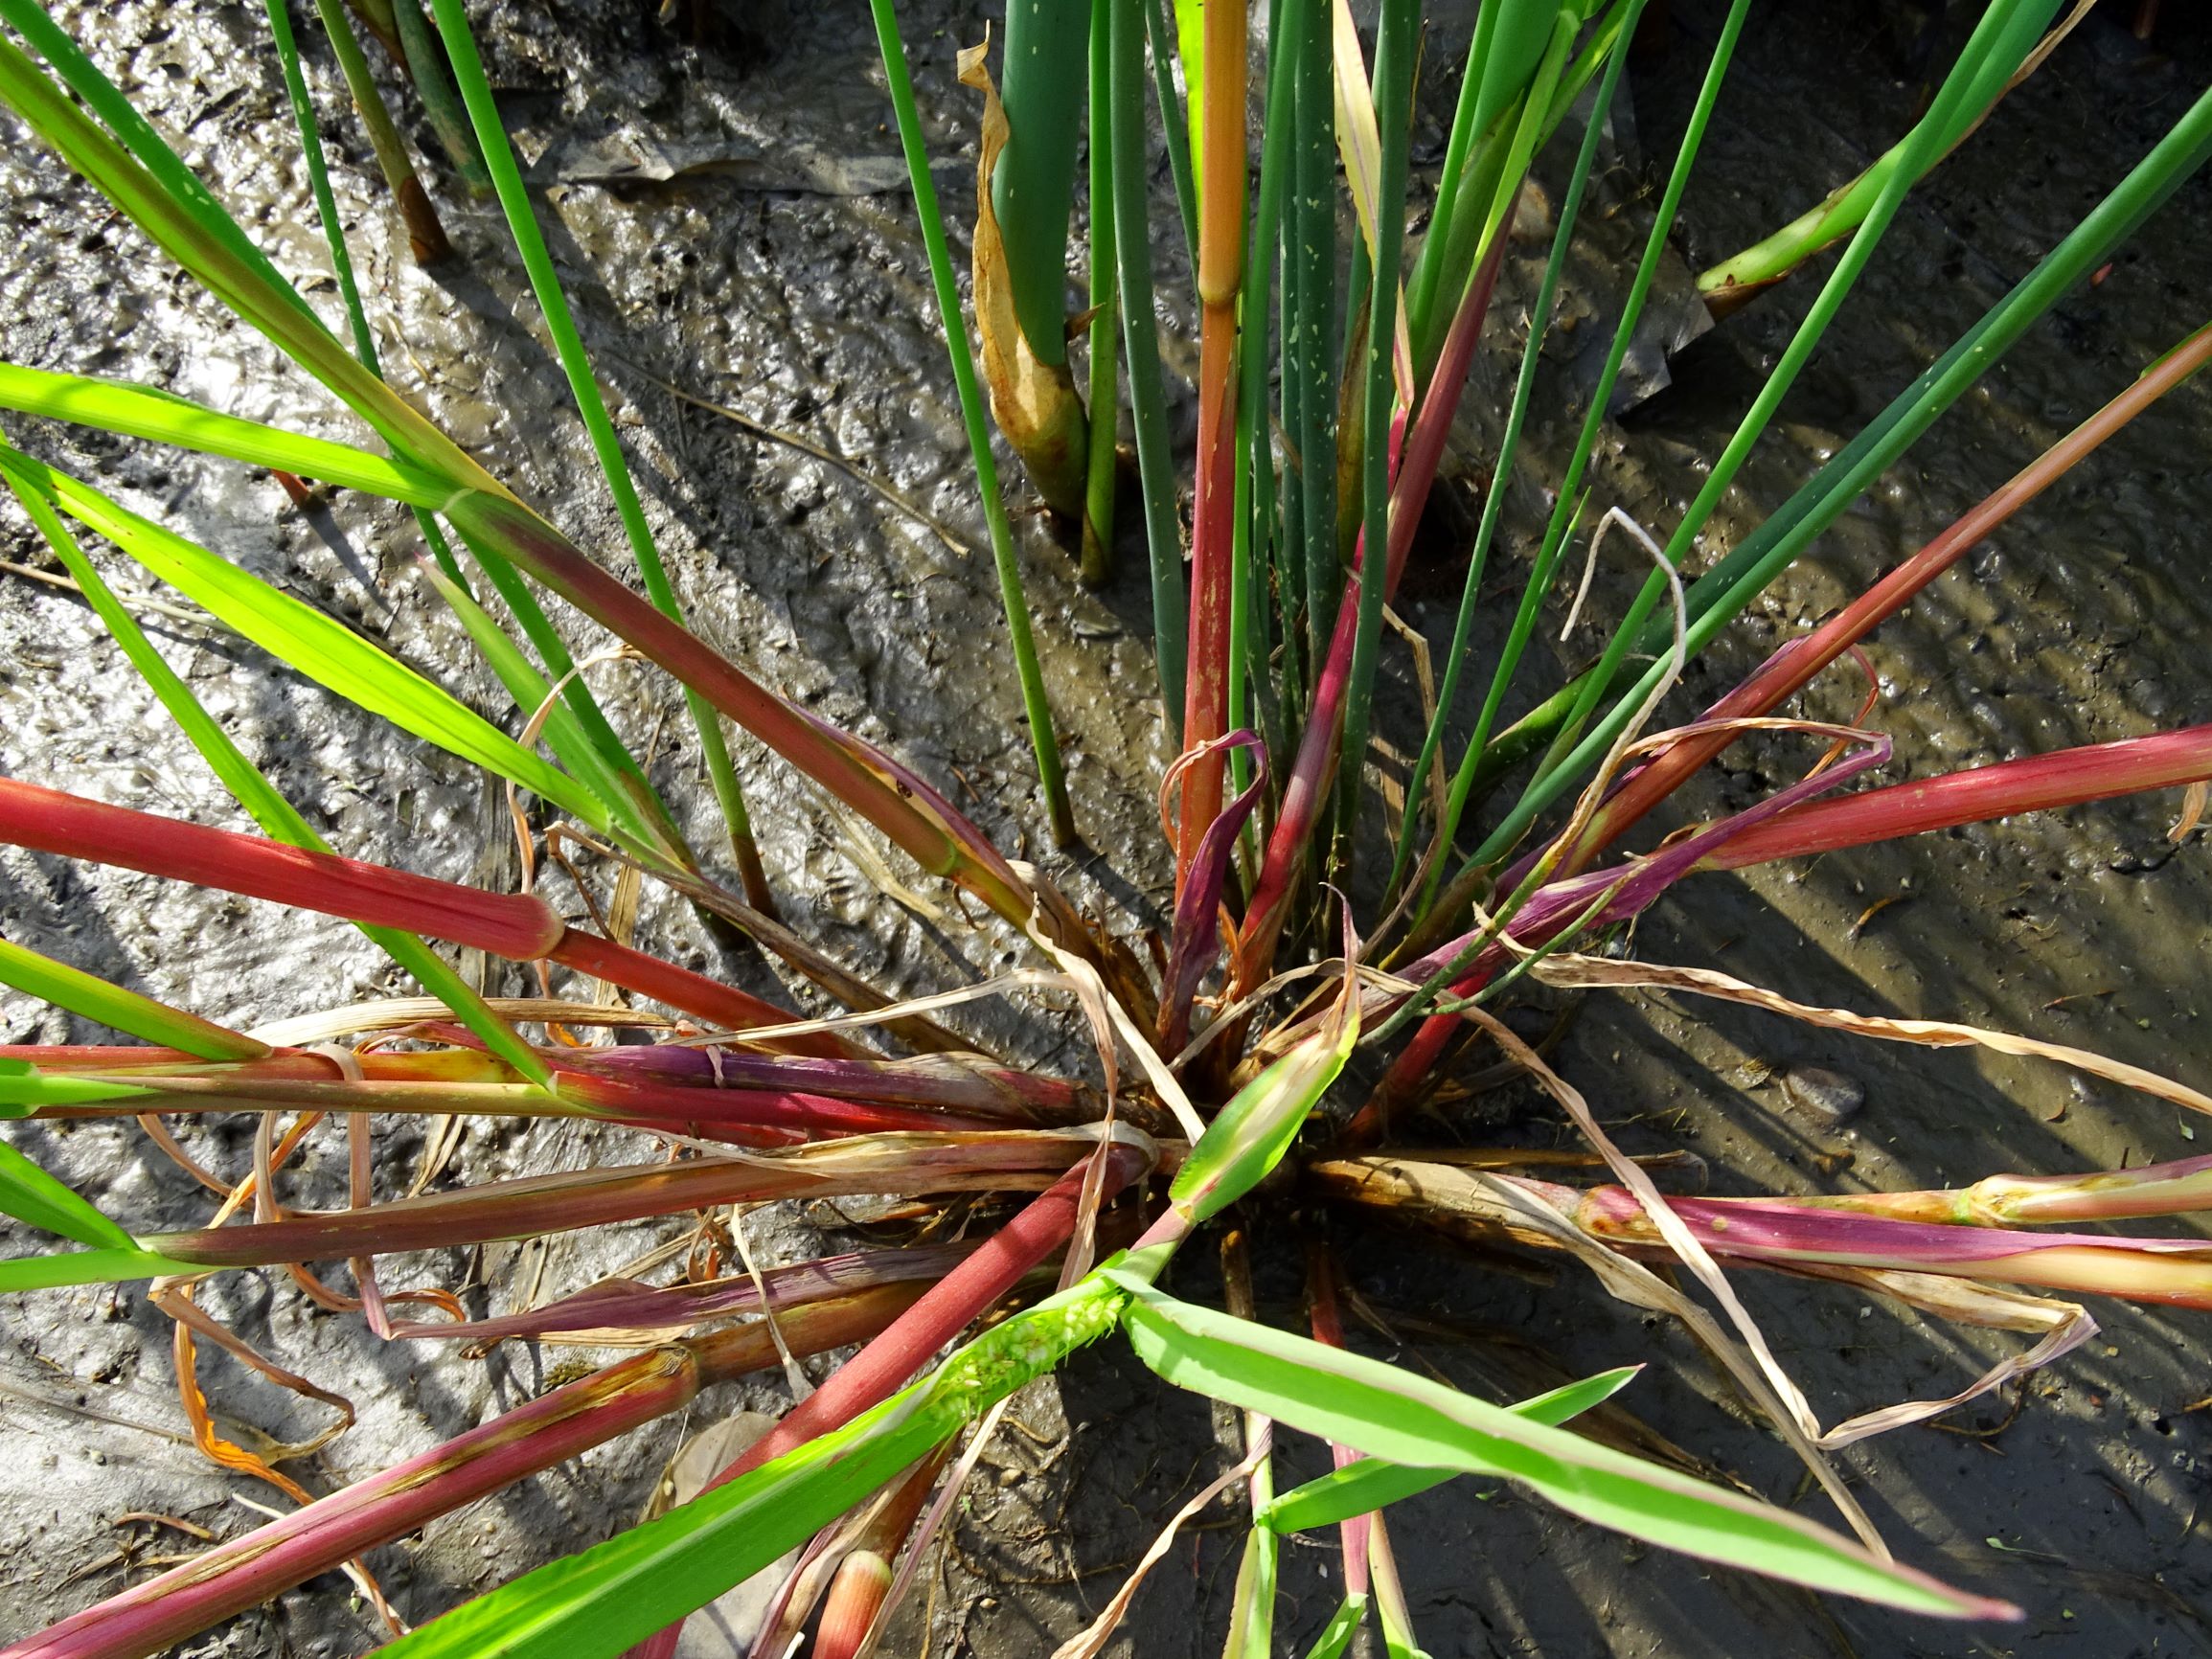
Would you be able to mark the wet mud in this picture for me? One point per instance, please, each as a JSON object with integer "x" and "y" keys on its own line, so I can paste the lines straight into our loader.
{"x": 717, "y": 208}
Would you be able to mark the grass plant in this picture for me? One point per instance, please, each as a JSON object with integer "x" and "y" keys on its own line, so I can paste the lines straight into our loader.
{"x": 1284, "y": 1031}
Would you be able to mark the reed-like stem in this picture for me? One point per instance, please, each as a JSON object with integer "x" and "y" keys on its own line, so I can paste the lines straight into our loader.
{"x": 1395, "y": 48}
{"x": 1794, "y": 667}
{"x": 1222, "y": 162}
{"x": 1052, "y": 777}
{"x": 425, "y": 234}
{"x": 2094, "y": 772}
{"x": 550, "y": 1430}
{"x": 1102, "y": 474}
{"x": 1140, "y": 326}
{"x": 584, "y": 386}
{"x": 901, "y": 1164}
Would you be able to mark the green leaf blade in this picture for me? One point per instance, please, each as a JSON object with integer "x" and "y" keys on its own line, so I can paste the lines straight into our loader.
{"x": 1392, "y": 1414}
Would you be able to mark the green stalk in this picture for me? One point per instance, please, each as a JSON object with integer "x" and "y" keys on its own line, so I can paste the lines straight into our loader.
{"x": 425, "y": 234}
{"x": 2009, "y": 33}
{"x": 1105, "y": 399}
{"x": 2006, "y": 33}
{"x": 449, "y": 116}
{"x": 1733, "y": 281}
{"x": 1509, "y": 39}
{"x": 275, "y": 815}
{"x": 1540, "y": 319}
{"x": 1033, "y": 188}
{"x": 334, "y": 239}
{"x": 1050, "y": 776}
{"x": 1396, "y": 46}
{"x": 1162, "y": 38}
{"x": 568, "y": 344}
{"x": 1140, "y": 334}
{"x": 1567, "y": 506}
{"x": 585, "y": 742}
{"x": 1309, "y": 351}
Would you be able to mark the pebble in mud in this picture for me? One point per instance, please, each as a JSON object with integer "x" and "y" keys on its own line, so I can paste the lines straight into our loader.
{"x": 1819, "y": 1093}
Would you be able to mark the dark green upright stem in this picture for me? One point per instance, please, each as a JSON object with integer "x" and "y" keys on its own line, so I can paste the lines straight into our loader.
{"x": 1033, "y": 188}
{"x": 1395, "y": 48}
{"x": 424, "y": 231}
{"x": 448, "y": 117}
{"x": 1314, "y": 251}
{"x": 583, "y": 387}
{"x": 1539, "y": 317}
{"x": 1140, "y": 325}
{"x": 1097, "y": 507}
{"x": 1050, "y": 775}
{"x": 1161, "y": 34}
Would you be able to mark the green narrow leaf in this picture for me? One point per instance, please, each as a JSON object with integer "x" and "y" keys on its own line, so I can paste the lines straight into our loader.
{"x": 1343, "y": 1625}
{"x": 1037, "y": 707}
{"x": 145, "y": 412}
{"x": 275, "y": 815}
{"x": 1360, "y": 1488}
{"x": 602, "y": 1600}
{"x": 1251, "y": 1133}
{"x": 324, "y": 649}
{"x": 25, "y": 1089}
{"x": 123, "y": 1011}
{"x": 568, "y": 344}
{"x": 107, "y": 1267}
{"x": 28, "y": 1193}
{"x": 1393, "y": 1414}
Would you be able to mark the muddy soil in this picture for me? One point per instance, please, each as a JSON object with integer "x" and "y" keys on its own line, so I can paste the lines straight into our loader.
{"x": 772, "y": 271}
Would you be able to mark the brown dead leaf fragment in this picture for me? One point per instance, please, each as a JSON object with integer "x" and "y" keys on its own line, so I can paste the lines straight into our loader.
{"x": 1034, "y": 402}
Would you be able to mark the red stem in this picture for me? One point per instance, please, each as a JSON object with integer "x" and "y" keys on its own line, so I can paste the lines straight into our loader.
{"x": 521, "y": 927}
{"x": 2095, "y": 772}
{"x": 1329, "y": 1329}
{"x": 945, "y": 1311}
{"x": 231, "y": 1577}
{"x": 1214, "y": 524}
{"x": 518, "y": 926}
{"x": 1790, "y": 669}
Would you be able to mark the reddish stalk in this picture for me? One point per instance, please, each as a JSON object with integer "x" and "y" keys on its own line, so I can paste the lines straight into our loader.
{"x": 1213, "y": 531}
{"x": 1790, "y": 669}
{"x": 518, "y": 926}
{"x": 1327, "y": 1327}
{"x": 1308, "y": 782}
{"x": 2094, "y": 772}
{"x": 948, "y": 1309}
{"x": 2178, "y": 1188}
{"x": 550, "y": 1430}
{"x": 919, "y": 820}
{"x": 908, "y": 1165}
{"x": 1779, "y": 1232}
{"x": 521, "y": 927}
